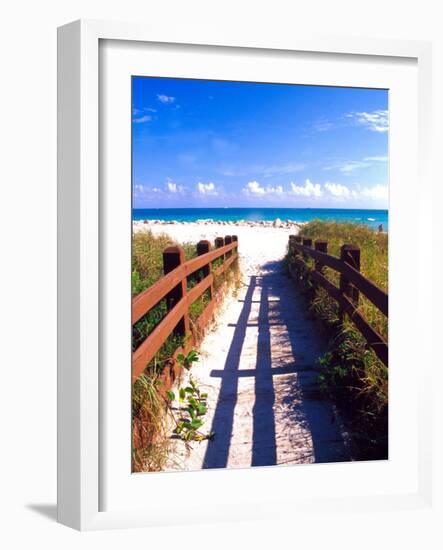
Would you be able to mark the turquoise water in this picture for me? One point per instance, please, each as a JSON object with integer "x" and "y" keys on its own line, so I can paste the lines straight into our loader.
{"x": 368, "y": 217}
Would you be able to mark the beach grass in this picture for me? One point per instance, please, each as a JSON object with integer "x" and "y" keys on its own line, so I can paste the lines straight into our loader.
{"x": 147, "y": 258}
{"x": 350, "y": 372}
{"x": 373, "y": 259}
{"x": 147, "y": 268}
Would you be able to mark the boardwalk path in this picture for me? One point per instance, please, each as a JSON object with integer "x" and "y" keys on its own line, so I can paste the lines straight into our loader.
{"x": 258, "y": 367}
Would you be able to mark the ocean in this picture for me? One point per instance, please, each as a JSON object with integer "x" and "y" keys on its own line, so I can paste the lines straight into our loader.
{"x": 373, "y": 218}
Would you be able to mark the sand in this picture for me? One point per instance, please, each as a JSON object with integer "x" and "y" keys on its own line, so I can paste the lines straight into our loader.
{"x": 258, "y": 243}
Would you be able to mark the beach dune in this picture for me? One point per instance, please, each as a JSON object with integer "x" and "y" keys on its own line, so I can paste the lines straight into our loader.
{"x": 259, "y": 242}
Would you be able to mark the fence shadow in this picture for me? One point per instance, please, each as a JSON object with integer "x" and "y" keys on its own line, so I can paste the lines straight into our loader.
{"x": 218, "y": 450}
{"x": 264, "y": 450}
{"x": 280, "y": 305}
{"x": 304, "y": 405}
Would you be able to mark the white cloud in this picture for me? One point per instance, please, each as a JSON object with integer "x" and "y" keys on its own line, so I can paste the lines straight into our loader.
{"x": 254, "y": 188}
{"x": 349, "y": 166}
{"x": 309, "y": 189}
{"x": 338, "y": 190}
{"x": 352, "y": 165}
{"x": 137, "y": 112}
{"x": 140, "y": 115}
{"x": 263, "y": 170}
{"x": 144, "y": 118}
{"x": 378, "y": 192}
{"x": 207, "y": 188}
{"x": 142, "y": 191}
{"x": 172, "y": 187}
{"x": 377, "y": 159}
{"x": 276, "y": 190}
{"x": 165, "y": 99}
{"x": 377, "y": 121}
{"x": 287, "y": 168}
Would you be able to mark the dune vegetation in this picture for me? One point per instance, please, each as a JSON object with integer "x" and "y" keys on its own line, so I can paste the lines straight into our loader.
{"x": 350, "y": 372}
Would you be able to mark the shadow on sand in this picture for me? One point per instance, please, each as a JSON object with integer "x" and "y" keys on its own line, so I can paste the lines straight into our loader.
{"x": 282, "y": 306}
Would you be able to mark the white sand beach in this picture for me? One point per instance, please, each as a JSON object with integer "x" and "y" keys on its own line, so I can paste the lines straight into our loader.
{"x": 259, "y": 242}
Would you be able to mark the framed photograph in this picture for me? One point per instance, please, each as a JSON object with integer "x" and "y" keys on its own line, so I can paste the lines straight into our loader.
{"x": 232, "y": 275}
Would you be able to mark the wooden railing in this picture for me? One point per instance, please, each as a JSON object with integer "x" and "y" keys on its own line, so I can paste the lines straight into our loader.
{"x": 352, "y": 283}
{"x": 172, "y": 288}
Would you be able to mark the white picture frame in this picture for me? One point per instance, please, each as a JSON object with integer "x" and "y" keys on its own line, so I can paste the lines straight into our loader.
{"x": 80, "y": 413}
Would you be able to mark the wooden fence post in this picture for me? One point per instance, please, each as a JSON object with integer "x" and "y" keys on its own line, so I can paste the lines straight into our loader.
{"x": 219, "y": 242}
{"x": 173, "y": 256}
{"x": 350, "y": 254}
{"x": 321, "y": 246}
{"x": 293, "y": 253}
{"x": 308, "y": 243}
{"x": 203, "y": 247}
{"x": 297, "y": 240}
{"x": 235, "y": 240}
{"x": 291, "y": 244}
{"x": 228, "y": 240}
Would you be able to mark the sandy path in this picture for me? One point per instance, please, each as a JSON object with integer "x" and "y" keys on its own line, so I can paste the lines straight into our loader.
{"x": 258, "y": 367}
{"x": 260, "y": 244}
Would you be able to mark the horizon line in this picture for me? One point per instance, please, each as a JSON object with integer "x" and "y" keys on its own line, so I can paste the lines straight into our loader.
{"x": 250, "y": 207}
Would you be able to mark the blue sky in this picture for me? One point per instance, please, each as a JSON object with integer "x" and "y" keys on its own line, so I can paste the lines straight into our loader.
{"x": 199, "y": 143}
